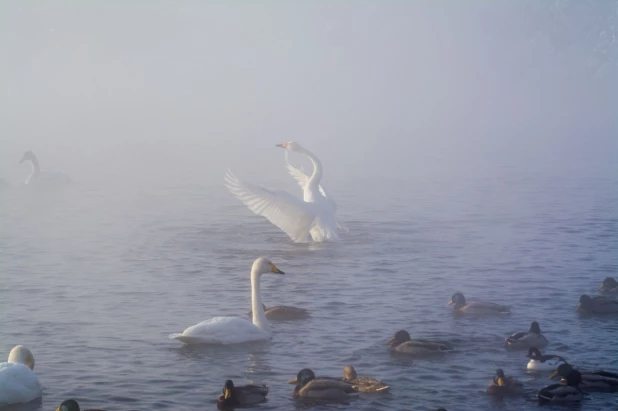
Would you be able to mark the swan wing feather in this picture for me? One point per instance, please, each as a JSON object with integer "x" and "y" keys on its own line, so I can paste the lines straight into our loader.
{"x": 293, "y": 216}
{"x": 302, "y": 179}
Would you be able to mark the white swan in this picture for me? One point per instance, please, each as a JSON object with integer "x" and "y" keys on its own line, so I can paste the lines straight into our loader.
{"x": 315, "y": 216}
{"x": 18, "y": 382}
{"x": 234, "y": 330}
{"x": 38, "y": 175}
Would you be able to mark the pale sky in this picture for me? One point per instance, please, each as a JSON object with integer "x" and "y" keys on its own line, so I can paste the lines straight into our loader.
{"x": 183, "y": 89}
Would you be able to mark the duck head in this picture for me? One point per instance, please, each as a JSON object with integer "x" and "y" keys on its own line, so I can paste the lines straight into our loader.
{"x": 400, "y": 337}
{"x": 458, "y": 299}
{"x": 303, "y": 377}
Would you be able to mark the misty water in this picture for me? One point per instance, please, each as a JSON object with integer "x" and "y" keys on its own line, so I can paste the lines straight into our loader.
{"x": 470, "y": 146}
{"x": 95, "y": 278}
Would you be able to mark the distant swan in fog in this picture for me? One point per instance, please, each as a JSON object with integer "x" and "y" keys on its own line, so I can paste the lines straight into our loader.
{"x": 234, "y": 330}
{"x": 18, "y": 382}
{"x": 315, "y": 216}
{"x": 42, "y": 176}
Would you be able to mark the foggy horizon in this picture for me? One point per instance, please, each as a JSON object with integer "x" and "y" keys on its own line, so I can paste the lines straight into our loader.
{"x": 181, "y": 91}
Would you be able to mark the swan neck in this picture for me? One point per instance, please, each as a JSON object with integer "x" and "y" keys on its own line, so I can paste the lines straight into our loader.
{"x": 36, "y": 169}
{"x": 259, "y": 318}
{"x": 316, "y": 176}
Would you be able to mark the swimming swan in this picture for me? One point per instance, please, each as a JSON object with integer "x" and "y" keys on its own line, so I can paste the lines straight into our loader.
{"x": 18, "y": 382}
{"x": 315, "y": 216}
{"x": 42, "y": 176}
{"x": 234, "y": 330}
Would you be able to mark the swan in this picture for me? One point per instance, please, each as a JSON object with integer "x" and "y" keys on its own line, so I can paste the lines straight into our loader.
{"x": 234, "y": 330}
{"x": 314, "y": 216}
{"x": 38, "y": 175}
{"x": 18, "y": 382}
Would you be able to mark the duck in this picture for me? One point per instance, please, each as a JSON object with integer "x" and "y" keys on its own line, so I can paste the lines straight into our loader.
{"x": 235, "y": 330}
{"x": 603, "y": 381}
{"x": 532, "y": 338}
{"x": 364, "y": 384}
{"x": 72, "y": 405}
{"x": 476, "y": 307}
{"x": 42, "y": 176}
{"x": 18, "y": 382}
{"x": 539, "y": 362}
{"x": 501, "y": 385}
{"x": 283, "y": 313}
{"x": 597, "y": 305}
{"x": 567, "y": 391}
{"x": 323, "y": 388}
{"x": 245, "y": 395}
{"x": 609, "y": 285}
{"x": 402, "y": 343}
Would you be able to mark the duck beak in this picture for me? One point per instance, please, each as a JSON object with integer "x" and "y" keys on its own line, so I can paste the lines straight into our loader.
{"x": 228, "y": 394}
{"x": 500, "y": 382}
{"x": 554, "y": 375}
{"x": 293, "y": 380}
{"x": 579, "y": 307}
{"x": 450, "y": 303}
{"x": 57, "y": 409}
{"x": 275, "y": 270}
{"x": 390, "y": 341}
{"x": 282, "y": 145}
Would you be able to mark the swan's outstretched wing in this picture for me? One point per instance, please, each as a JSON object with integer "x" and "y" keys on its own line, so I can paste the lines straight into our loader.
{"x": 293, "y": 216}
{"x": 302, "y": 179}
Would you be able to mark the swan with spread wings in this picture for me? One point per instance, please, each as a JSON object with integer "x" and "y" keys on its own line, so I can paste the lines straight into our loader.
{"x": 313, "y": 217}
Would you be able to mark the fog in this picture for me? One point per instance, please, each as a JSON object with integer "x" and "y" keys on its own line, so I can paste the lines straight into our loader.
{"x": 179, "y": 91}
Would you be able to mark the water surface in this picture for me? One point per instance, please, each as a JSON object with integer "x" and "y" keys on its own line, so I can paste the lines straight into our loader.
{"x": 94, "y": 278}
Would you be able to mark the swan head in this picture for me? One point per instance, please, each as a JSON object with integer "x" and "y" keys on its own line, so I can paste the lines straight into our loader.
{"x": 21, "y": 355}
{"x": 291, "y": 145}
{"x": 28, "y": 155}
{"x": 264, "y": 266}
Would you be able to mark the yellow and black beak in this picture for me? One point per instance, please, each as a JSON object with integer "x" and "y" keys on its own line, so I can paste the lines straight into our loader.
{"x": 228, "y": 394}
{"x": 554, "y": 375}
{"x": 390, "y": 341}
{"x": 450, "y": 303}
{"x": 282, "y": 145}
{"x": 500, "y": 382}
{"x": 579, "y": 307}
{"x": 275, "y": 270}
{"x": 293, "y": 380}
{"x": 58, "y": 409}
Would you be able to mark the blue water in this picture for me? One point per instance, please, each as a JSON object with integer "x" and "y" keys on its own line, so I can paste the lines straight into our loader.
{"x": 94, "y": 278}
